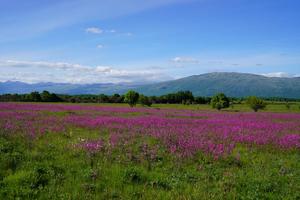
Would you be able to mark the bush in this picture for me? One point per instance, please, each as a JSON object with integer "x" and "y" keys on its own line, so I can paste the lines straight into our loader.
{"x": 255, "y": 103}
{"x": 220, "y": 101}
{"x": 145, "y": 101}
{"x": 131, "y": 97}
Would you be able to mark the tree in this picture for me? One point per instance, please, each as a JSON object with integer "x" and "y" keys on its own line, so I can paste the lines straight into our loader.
{"x": 103, "y": 98}
{"x": 219, "y": 101}
{"x": 255, "y": 103}
{"x": 46, "y": 96}
{"x": 50, "y": 97}
{"x": 131, "y": 97}
{"x": 116, "y": 98}
{"x": 184, "y": 97}
{"x": 202, "y": 100}
{"x": 55, "y": 98}
{"x": 145, "y": 101}
{"x": 34, "y": 96}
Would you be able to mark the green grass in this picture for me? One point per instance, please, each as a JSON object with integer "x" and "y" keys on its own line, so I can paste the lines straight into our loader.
{"x": 271, "y": 106}
{"x": 51, "y": 167}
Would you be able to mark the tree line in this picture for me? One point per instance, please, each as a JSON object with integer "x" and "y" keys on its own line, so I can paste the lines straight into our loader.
{"x": 218, "y": 101}
{"x": 181, "y": 97}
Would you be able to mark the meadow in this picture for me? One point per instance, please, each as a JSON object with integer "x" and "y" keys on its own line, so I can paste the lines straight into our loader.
{"x": 112, "y": 151}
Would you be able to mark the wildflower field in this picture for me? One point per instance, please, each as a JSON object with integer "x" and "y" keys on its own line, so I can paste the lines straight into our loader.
{"x": 77, "y": 151}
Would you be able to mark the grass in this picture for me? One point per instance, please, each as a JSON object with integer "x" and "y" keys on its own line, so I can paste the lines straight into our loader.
{"x": 51, "y": 167}
{"x": 271, "y": 106}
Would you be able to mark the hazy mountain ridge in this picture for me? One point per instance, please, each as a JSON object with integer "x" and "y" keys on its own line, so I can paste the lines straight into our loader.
{"x": 65, "y": 88}
{"x": 232, "y": 84}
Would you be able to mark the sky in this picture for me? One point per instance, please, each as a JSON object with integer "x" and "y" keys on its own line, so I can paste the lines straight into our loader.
{"x": 116, "y": 41}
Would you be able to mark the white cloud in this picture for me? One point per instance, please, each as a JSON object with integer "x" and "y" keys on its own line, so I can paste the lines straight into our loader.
{"x": 256, "y": 60}
{"x": 279, "y": 75}
{"x": 111, "y": 31}
{"x": 184, "y": 60}
{"x": 94, "y": 30}
{"x": 210, "y": 62}
{"x": 60, "y": 72}
{"x": 100, "y": 46}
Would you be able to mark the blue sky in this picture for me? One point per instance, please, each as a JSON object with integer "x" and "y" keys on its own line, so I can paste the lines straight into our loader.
{"x": 97, "y": 41}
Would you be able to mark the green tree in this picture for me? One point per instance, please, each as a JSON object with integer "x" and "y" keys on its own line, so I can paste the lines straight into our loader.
{"x": 145, "y": 101}
{"x": 34, "y": 96}
{"x": 50, "y": 97}
{"x": 131, "y": 97}
{"x": 46, "y": 96}
{"x": 116, "y": 98}
{"x": 255, "y": 103}
{"x": 219, "y": 101}
{"x": 184, "y": 97}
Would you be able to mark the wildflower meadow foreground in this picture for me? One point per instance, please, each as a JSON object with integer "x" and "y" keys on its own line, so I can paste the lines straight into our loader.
{"x": 76, "y": 151}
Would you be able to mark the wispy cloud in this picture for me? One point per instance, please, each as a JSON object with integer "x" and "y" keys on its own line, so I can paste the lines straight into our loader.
{"x": 97, "y": 30}
{"x": 94, "y": 30}
{"x": 279, "y": 75}
{"x": 184, "y": 60}
{"x": 128, "y": 34}
{"x": 111, "y": 31}
{"x": 61, "y": 72}
{"x": 100, "y": 46}
{"x": 232, "y": 62}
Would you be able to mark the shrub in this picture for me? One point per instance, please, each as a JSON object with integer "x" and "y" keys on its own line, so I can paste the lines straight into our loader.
{"x": 255, "y": 103}
{"x": 145, "y": 101}
{"x": 220, "y": 101}
{"x": 131, "y": 97}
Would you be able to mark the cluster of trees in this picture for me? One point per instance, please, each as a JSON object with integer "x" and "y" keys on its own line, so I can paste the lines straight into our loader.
{"x": 219, "y": 101}
{"x": 45, "y": 96}
{"x": 281, "y": 99}
{"x": 185, "y": 97}
{"x": 102, "y": 98}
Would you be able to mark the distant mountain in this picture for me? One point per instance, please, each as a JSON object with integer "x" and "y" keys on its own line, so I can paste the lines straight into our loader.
{"x": 232, "y": 84}
{"x": 65, "y": 88}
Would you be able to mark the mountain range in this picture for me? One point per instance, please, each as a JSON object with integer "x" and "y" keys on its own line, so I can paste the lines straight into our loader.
{"x": 232, "y": 84}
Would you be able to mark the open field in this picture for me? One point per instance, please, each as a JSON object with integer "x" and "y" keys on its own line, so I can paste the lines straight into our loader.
{"x": 112, "y": 151}
{"x": 271, "y": 107}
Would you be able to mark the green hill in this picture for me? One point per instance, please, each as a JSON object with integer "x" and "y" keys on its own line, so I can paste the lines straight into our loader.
{"x": 232, "y": 84}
